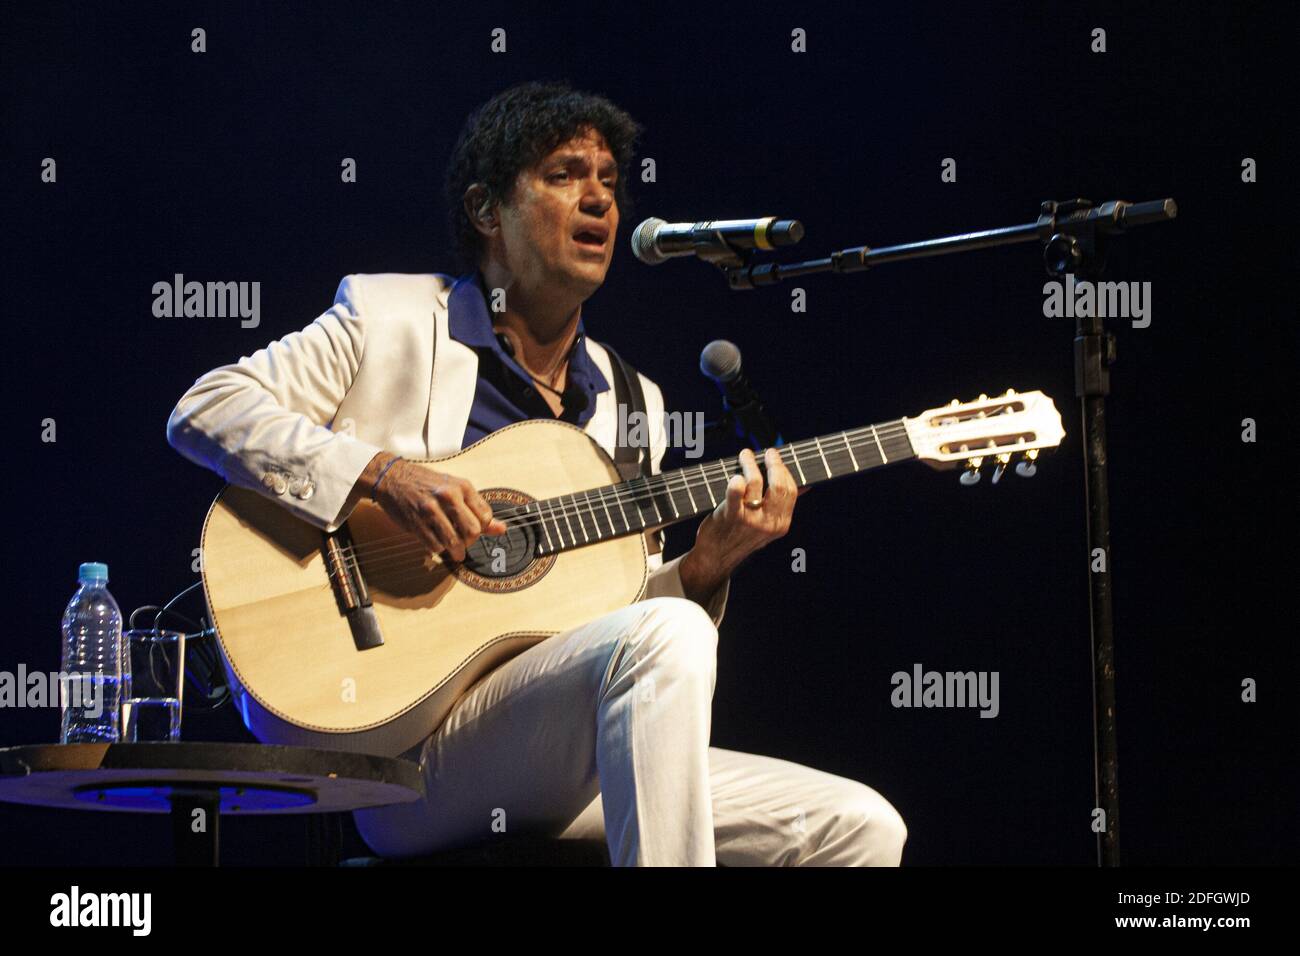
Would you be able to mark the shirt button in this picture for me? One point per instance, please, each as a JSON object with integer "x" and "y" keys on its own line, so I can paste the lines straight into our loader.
{"x": 295, "y": 485}
{"x": 307, "y": 489}
{"x": 279, "y": 485}
{"x": 268, "y": 481}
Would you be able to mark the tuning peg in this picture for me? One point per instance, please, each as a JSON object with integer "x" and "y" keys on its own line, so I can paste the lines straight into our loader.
{"x": 1027, "y": 468}
{"x": 971, "y": 475}
{"x": 1003, "y": 461}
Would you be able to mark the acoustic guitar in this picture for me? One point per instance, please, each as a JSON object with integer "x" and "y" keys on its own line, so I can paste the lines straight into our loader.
{"x": 361, "y": 640}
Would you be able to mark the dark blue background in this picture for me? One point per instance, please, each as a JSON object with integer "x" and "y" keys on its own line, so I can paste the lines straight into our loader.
{"x": 225, "y": 166}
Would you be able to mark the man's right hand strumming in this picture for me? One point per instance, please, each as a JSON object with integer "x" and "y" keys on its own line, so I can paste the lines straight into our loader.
{"x": 443, "y": 511}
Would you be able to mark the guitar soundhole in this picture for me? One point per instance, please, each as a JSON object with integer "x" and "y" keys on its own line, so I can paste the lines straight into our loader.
{"x": 504, "y": 562}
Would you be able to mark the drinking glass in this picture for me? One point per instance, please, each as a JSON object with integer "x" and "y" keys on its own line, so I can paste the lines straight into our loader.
{"x": 153, "y": 685}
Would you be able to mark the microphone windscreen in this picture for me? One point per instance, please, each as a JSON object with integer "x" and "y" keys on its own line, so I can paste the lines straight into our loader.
{"x": 720, "y": 360}
{"x": 643, "y": 242}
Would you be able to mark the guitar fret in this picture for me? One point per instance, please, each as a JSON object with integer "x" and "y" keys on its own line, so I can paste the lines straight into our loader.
{"x": 566, "y": 520}
{"x": 558, "y": 510}
{"x": 587, "y": 514}
{"x": 708, "y": 485}
{"x": 849, "y": 447}
{"x": 595, "y": 515}
{"x": 658, "y": 515}
{"x": 569, "y": 514}
{"x": 879, "y": 447}
{"x": 635, "y": 499}
{"x": 582, "y": 512}
{"x": 536, "y": 506}
{"x": 589, "y": 511}
{"x": 608, "y": 518}
{"x": 559, "y": 531}
{"x": 798, "y": 467}
{"x": 818, "y": 443}
{"x": 669, "y": 491}
{"x": 686, "y": 483}
{"x": 618, "y": 497}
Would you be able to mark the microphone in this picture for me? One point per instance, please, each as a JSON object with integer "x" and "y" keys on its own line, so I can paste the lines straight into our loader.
{"x": 720, "y": 361}
{"x": 656, "y": 241}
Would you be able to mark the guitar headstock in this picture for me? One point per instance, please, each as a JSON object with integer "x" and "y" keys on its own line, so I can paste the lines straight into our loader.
{"x": 1014, "y": 424}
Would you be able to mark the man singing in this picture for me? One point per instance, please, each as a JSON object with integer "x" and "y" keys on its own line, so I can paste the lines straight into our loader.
{"x": 417, "y": 367}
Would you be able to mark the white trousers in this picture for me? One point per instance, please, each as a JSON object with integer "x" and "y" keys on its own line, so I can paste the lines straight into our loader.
{"x": 604, "y": 729}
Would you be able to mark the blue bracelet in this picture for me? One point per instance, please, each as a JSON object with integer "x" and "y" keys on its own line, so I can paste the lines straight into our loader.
{"x": 375, "y": 488}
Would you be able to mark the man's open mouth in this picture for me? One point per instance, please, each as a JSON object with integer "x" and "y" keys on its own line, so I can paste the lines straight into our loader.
{"x": 591, "y": 237}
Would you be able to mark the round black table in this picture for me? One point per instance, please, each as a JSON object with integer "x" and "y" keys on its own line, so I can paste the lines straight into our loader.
{"x": 197, "y": 782}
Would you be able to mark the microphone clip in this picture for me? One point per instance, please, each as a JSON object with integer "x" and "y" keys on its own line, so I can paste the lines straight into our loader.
{"x": 714, "y": 248}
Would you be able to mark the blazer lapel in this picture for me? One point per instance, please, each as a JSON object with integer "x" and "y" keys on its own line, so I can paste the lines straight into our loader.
{"x": 452, "y": 383}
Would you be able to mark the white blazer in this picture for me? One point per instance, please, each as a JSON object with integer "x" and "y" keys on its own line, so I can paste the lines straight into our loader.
{"x": 300, "y": 419}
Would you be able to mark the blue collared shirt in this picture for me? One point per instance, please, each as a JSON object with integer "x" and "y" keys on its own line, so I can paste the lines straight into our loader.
{"x": 504, "y": 393}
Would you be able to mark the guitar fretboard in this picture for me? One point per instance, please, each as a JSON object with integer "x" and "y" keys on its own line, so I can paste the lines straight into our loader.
{"x": 598, "y": 514}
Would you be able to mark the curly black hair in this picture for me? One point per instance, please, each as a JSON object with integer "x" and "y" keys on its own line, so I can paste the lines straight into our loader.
{"x": 516, "y": 129}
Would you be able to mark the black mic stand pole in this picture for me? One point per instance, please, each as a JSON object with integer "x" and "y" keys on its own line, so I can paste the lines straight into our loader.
{"x": 1074, "y": 235}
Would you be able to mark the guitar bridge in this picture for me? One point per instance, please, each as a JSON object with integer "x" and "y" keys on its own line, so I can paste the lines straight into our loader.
{"x": 349, "y": 587}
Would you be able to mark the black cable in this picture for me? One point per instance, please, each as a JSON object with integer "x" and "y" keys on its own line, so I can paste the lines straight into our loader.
{"x": 205, "y": 671}
{"x": 166, "y": 607}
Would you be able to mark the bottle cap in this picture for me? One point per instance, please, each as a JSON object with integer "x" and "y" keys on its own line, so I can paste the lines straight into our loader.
{"x": 92, "y": 572}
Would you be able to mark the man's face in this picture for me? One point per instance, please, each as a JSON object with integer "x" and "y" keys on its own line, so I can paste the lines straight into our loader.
{"x": 558, "y": 228}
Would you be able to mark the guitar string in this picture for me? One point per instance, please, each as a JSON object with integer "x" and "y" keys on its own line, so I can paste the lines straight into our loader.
{"x": 657, "y": 485}
{"x": 683, "y": 479}
{"x": 399, "y": 568}
{"x": 410, "y": 544}
{"x": 567, "y": 511}
{"x": 414, "y": 547}
{"x": 376, "y": 557}
{"x": 896, "y": 431}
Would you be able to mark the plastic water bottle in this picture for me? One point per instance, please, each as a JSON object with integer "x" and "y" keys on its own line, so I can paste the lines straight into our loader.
{"x": 90, "y": 702}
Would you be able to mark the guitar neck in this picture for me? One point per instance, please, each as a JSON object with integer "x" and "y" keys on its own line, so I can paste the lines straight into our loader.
{"x": 598, "y": 514}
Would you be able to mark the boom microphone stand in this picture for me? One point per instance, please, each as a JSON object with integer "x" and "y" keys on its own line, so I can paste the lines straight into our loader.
{"x": 1074, "y": 236}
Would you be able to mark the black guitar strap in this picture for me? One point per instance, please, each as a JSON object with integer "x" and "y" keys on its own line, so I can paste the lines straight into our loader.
{"x": 628, "y": 393}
